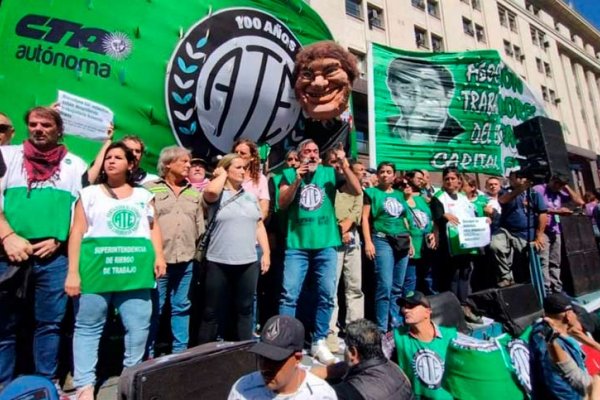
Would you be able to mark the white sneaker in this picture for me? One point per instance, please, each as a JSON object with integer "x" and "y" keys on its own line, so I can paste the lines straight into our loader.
{"x": 321, "y": 353}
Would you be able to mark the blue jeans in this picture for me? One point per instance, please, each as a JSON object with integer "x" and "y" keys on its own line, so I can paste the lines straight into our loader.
{"x": 175, "y": 284}
{"x": 47, "y": 279}
{"x": 390, "y": 270}
{"x": 410, "y": 278}
{"x": 324, "y": 265}
{"x": 135, "y": 309}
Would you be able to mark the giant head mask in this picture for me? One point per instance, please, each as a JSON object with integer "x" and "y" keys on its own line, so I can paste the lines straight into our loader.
{"x": 324, "y": 73}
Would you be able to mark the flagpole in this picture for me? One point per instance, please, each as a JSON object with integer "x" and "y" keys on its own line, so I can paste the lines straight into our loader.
{"x": 371, "y": 106}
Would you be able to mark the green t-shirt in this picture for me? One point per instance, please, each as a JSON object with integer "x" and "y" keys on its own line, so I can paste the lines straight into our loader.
{"x": 389, "y": 211}
{"x": 420, "y": 224}
{"x": 424, "y": 363}
{"x": 480, "y": 201}
{"x": 311, "y": 215}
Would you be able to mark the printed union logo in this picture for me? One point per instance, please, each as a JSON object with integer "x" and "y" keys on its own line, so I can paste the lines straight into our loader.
{"x": 393, "y": 207}
{"x": 429, "y": 367}
{"x": 231, "y": 77}
{"x": 519, "y": 356}
{"x": 117, "y": 45}
{"x": 311, "y": 197}
{"x": 123, "y": 220}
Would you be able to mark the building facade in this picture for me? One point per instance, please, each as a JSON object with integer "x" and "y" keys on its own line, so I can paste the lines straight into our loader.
{"x": 552, "y": 47}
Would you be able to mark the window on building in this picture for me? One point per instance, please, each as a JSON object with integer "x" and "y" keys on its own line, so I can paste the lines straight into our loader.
{"x": 508, "y": 49}
{"x": 421, "y": 38}
{"x": 519, "y": 56}
{"x": 512, "y": 22}
{"x": 362, "y": 62}
{"x": 433, "y": 8}
{"x": 547, "y": 70}
{"x": 531, "y": 8}
{"x": 480, "y": 33}
{"x": 476, "y": 4}
{"x": 503, "y": 16}
{"x": 420, "y": 4}
{"x": 545, "y": 95}
{"x": 375, "y": 15}
{"x": 534, "y": 36}
{"x": 468, "y": 26}
{"x": 354, "y": 8}
{"x": 437, "y": 43}
{"x": 552, "y": 95}
{"x": 538, "y": 64}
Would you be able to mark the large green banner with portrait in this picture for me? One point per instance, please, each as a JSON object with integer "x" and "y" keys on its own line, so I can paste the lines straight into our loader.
{"x": 433, "y": 110}
{"x": 200, "y": 73}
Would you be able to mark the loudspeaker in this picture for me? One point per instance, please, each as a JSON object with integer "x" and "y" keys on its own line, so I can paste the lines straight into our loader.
{"x": 446, "y": 311}
{"x": 577, "y": 234}
{"x": 516, "y": 307}
{"x": 580, "y": 267}
{"x": 541, "y": 143}
{"x": 203, "y": 372}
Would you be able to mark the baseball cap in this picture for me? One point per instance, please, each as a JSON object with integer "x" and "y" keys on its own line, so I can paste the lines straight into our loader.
{"x": 557, "y": 303}
{"x": 198, "y": 161}
{"x": 414, "y": 298}
{"x": 281, "y": 337}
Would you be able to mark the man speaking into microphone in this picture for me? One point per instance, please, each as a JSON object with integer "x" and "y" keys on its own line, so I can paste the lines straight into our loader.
{"x": 308, "y": 193}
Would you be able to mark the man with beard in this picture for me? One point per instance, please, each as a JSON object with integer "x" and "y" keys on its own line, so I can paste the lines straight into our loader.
{"x": 280, "y": 375}
{"x": 308, "y": 193}
{"x": 41, "y": 183}
{"x": 422, "y": 91}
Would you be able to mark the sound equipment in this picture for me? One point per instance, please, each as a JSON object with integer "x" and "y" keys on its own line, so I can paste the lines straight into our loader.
{"x": 516, "y": 307}
{"x": 206, "y": 372}
{"x": 541, "y": 143}
{"x": 580, "y": 267}
{"x": 446, "y": 311}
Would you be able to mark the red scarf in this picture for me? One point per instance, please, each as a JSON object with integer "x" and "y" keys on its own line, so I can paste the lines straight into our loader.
{"x": 41, "y": 165}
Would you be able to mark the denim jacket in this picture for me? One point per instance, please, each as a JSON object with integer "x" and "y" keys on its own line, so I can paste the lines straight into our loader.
{"x": 546, "y": 380}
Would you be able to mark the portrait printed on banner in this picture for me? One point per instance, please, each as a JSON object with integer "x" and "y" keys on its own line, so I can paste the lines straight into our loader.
{"x": 422, "y": 92}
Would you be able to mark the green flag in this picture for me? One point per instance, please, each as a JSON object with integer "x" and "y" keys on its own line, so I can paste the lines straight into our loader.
{"x": 433, "y": 110}
{"x": 200, "y": 73}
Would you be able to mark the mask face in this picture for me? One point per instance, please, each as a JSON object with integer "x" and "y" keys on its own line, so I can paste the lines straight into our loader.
{"x": 323, "y": 89}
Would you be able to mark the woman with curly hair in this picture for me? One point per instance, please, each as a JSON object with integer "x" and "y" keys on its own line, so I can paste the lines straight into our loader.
{"x": 255, "y": 182}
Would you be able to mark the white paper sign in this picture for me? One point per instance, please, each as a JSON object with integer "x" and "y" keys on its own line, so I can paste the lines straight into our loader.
{"x": 83, "y": 117}
{"x": 473, "y": 232}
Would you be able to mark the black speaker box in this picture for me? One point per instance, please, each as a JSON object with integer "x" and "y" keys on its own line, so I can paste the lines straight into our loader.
{"x": 516, "y": 307}
{"x": 446, "y": 311}
{"x": 541, "y": 143}
{"x": 203, "y": 372}
{"x": 577, "y": 234}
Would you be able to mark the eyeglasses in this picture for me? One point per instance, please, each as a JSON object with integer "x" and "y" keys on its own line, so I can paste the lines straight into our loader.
{"x": 5, "y": 128}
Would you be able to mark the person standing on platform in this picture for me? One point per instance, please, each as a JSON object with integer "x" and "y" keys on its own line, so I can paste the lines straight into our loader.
{"x": 523, "y": 218}
{"x": 386, "y": 231}
{"x": 197, "y": 176}
{"x": 115, "y": 255}
{"x": 7, "y": 130}
{"x": 40, "y": 185}
{"x": 181, "y": 220}
{"x": 308, "y": 193}
{"x": 556, "y": 193}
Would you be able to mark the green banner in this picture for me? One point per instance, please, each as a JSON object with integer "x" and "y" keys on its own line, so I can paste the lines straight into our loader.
{"x": 434, "y": 110}
{"x": 201, "y": 73}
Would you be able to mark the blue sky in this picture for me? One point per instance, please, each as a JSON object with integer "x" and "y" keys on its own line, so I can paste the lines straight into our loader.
{"x": 590, "y": 9}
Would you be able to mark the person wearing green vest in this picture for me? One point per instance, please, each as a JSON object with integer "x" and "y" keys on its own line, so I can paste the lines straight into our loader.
{"x": 308, "y": 194}
{"x": 115, "y": 255}
{"x": 387, "y": 238}
{"x": 421, "y": 233}
{"x": 448, "y": 207}
{"x": 421, "y": 347}
{"x": 40, "y": 183}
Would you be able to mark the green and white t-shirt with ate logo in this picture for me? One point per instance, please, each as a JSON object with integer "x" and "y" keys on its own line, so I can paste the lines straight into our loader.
{"x": 45, "y": 210}
{"x": 116, "y": 250}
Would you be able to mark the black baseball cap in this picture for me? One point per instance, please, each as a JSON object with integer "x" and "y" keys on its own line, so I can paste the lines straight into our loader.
{"x": 281, "y": 337}
{"x": 198, "y": 161}
{"x": 414, "y": 298}
{"x": 557, "y": 303}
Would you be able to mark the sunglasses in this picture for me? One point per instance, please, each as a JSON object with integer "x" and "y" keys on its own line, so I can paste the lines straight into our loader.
{"x": 5, "y": 128}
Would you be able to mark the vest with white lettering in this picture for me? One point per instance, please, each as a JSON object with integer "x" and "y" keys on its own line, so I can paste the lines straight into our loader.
{"x": 45, "y": 210}
{"x": 116, "y": 250}
{"x": 461, "y": 208}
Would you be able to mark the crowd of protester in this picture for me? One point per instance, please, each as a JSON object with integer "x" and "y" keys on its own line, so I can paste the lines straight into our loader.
{"x": 247, "y": 244}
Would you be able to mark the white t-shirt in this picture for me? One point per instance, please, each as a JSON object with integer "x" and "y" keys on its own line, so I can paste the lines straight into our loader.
{"x": 252, "y": 387}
